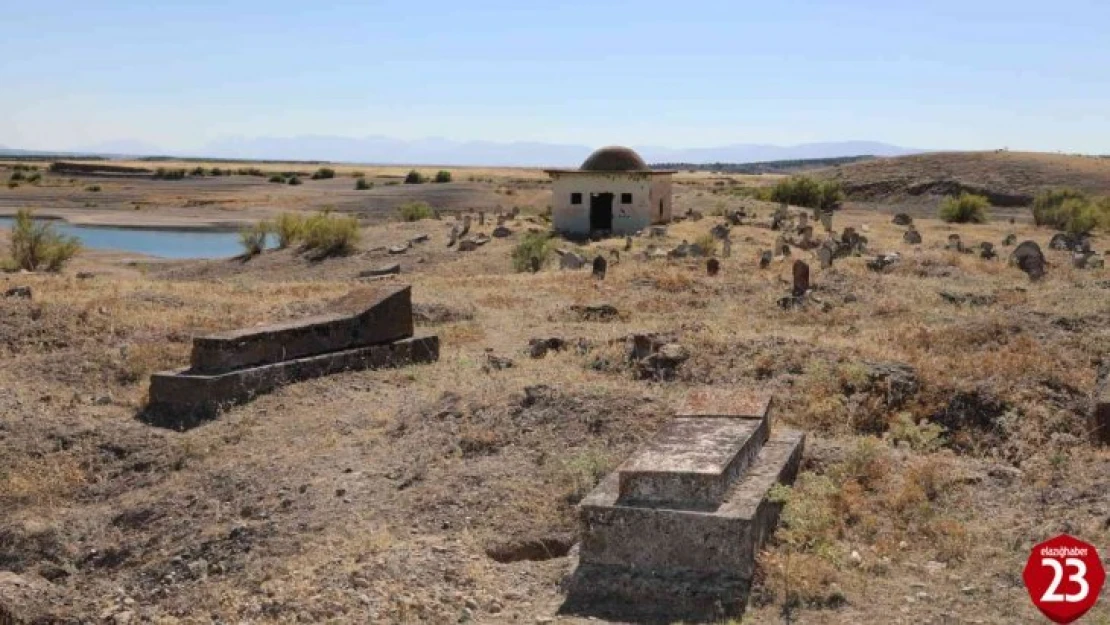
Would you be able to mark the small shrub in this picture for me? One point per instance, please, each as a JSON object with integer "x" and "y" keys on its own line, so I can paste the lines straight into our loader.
{"x": 415, "y": 177}
{"x": 1071, "y": 211}
{"x": 324, "y": 173}
{"x": 163, "y": 173}
{"x": 216, "y": 171}
{"x": 277, "y": 179}
{"x": 37, "y": 246}
{"x": 330, "y": 235}
{"x": 289, "y": 228}
{"x": 443, "y": 176}
{"x": 253, "y": 238}
{"x": 95, "y": 188}
{"x": 708, "y": 243}
{"x": 806, "y": 192}
{"x": 924, "y": 437}
{"x": 295, "y": 181}
{"x": 533, "y": 245}
{"x": 362, "y": 184}
{"x": 197, "y": 172}
{"x": 34, "y": 178}
{"x": 17, "y": 176}
{"x": 251, "y": 171}
{"x": 968, "y": 208}
{"x": 582, "y": 471}
{"x": 358, "y": 174}
{"x": 415, "y": 211}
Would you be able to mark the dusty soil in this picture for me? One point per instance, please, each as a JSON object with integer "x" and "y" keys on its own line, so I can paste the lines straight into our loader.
{"x": 446, "y": 492}
{"x": 1009, "y": 179}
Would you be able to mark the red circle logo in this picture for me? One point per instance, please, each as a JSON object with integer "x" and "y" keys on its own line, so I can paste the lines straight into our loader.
{"x": 1064, "y": 577}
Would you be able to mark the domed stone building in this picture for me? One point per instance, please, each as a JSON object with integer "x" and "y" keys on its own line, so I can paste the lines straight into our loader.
{"x": 613, "y": 193}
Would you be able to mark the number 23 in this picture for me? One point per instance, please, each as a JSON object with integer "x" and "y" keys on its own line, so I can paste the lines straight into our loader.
{"x": 1080, "y": 577}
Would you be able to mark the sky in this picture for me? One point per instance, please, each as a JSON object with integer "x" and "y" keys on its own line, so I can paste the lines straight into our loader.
{"x": 937, "y": 74}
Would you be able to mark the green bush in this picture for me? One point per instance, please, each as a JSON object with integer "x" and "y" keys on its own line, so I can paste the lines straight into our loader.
{"x": 94, "y": 188}
{"x": 37, "y": 246}
{"x": 197, "y": 171}
{"x": 806, "y": 192}
{"x": 415, "y": 177}
{"x": 251, "y": 171}
{"x": 443, "y": 176}
{"x": 415, "y": 211}
{"x": 1071, "y": 211}
{"x": 330, "y": 235}
{"x": 968, "y": 208}
{"x": 277, "y": 179}
{"x": 17, "y": 175}
{"x": 289, "y": 228}
{"x": 295, "y": 181}
{"x": 163, "y": 173}
{"x": 361, "y": 184}
{"x": 216, "y": 171}
{"x": 324, "y": 173}
{"x": 253, "y": 238}
{"x": 534, "y": 245}
{"x": 34, "y": 178}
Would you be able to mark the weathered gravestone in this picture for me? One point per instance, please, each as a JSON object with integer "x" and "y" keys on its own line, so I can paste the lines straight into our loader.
{"x": 726, "y": 248}
{"x": 372, "y": 328}
{"x": 954, "y": 243}
{"x": 465, "y": 226}
{"x": 850, "y": 239}
{"x": 1029, "y": 258}
{"x": 454, "y": 235}
{"x": 801, "y": 279}
{"x": 902, "y": 219}
{"x": 1009, "y": 240}
{"x": 628, "y": 244}
{"x": 712, "y": 267}
{"x": 827, "y": 220}
{"x": 481, "y": 218}
{"x": 806, "y": 234}
{"x": 782, "y": 248}
{"x": 765, "y": 259}
{"x": 720, "y": 232}
{"x": 803, "y": 222}
{"x": 912, "y": 236}
{"x": 571, "y": 260}
{"x": 536, "y": 263}
{"x": 501, "y": 232}
{"x": 384, "y": 270}
{"x": 825, "y": 255}
{"x": 673, "y": 533}
{"x": 779, "y": 217}
{"x": 600, "y": 267}
{"x": 986, "y": 251}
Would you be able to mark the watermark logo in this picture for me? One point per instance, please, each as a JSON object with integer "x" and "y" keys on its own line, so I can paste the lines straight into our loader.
{"x": 1064, "y": 577}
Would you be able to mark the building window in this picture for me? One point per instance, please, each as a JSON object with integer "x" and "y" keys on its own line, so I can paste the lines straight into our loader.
{"x": 575, "y": 198}
{"x": 626, "y": 198}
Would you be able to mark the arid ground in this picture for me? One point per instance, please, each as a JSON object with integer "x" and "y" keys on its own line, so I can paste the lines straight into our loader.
{"x": 945, "y": 400}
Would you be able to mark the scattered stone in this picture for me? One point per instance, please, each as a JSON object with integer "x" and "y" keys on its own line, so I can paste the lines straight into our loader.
{"x": 658, "y": 231}
{"x": 720, "y": 232}
{"x": 726, "y": 248}
{"x": 765, "y": 259}
{"x": 420, "y": 238}
{"x": 1029, "y": 258}
{"x": 22, "y": 292}
{"x": 570, "y": 260}
{"x": 779, "y": 217}
{"x": 384, "y": 270}
{"x": 597, "y": 312}
{"x": 1009, "y": 240}
{"x": 497, "y": 363}
{"x": 501, "y": 232}
{"x": 826, "y": 220}
{"x": 881, "y": 262}
{"x": 538, "y": 348}
{"x": 465, "y": 226}
{"x": 663, "y": 363}
{"x": 801, "y": 278}
{"x": 902, "y": 219}
{"x": 399, "y": 249}
{"x": 971, "y": 299}
{"x": 912, "y": 236}
{"x": 782, "y": 248}
{"x": 986, "y": 251}
{"x": 599, "y": 267}
{"x": 468, "y": 245}
{"x": 480, "y": 239}
{"x": 85, "y": 275}
{"x": 1063, "y": 241}
{"x": 454, "y": 235}
{"x": 954, "y": 243}
{"x": 825, "y": 255}
{"x": 712, "y": 267}
{"x": 628, "y": 244}
{"x": 1087, "y": 260}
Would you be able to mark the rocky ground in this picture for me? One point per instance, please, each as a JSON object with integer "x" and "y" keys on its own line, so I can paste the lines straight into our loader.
{"x": 944, "y": 396}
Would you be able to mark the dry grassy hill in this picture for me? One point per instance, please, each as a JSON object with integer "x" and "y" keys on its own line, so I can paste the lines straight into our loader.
{"x": 1007, "y": 178}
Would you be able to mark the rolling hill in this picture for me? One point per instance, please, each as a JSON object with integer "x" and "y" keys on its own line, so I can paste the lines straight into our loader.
{"x": 1006, "y": 178}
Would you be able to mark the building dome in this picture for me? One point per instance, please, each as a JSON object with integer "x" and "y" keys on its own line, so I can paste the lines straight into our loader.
{"x": 614, "y": 158}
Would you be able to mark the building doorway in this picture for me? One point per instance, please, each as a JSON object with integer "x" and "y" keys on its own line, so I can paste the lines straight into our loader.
{"x": 601, "y": 211}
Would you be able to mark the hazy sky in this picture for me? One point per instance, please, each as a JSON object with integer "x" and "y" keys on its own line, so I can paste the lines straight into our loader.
{"x": 932, "y": 73}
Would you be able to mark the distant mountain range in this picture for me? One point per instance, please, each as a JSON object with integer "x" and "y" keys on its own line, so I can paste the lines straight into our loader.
{"x": 438, "y": 151}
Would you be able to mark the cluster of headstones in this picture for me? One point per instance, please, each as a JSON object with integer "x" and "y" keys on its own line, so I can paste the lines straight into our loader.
{"x": 460, "y": 231}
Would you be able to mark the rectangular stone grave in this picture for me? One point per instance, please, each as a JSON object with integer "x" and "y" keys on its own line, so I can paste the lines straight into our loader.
{"x": 369, "y": 317}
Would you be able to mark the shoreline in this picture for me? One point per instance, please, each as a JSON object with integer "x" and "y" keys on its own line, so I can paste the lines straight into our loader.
{"x": 79, "y": 219}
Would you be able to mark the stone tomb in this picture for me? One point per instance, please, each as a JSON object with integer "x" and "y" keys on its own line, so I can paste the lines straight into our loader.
{"x": 673, "y": 533}
{"x": 372, "y": 328}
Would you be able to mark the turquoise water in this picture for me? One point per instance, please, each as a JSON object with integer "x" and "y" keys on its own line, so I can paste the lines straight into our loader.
{"x": 152, "y": 242}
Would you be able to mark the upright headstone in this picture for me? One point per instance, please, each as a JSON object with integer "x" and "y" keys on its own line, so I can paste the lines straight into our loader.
{"x": 516, "y": 212}
{"x": 912, "y": 236}
{"x": 850, "y": 238}
{"x": 825, "y": 255}
{"x": 1029, "y": 258}
{"x": 902, "y": 219}
{"x": 599, "y": 267}
{"x": 500, "y": 219}
{"x": 712, "y": 267}
{"x": 726, "y": 248}
{"x": 986, "y": 251}
{"x": 536, "y": 263}
{"x": 765, "y": 259}
{"x": 954, "y": 243}
{"x": 481, "y": 218}
{"x": 807, "y": 236}
{"x": 782, "y": 248}
{"x": 465, "y": 226}
{"x": 454, "y": 235}
{"x": 779, "y": 217}
{"x": 628, "y": 244}
{"x": 826, "y": 221}
{"x": 801, "y": 278}
{"x": 803, "y": 221}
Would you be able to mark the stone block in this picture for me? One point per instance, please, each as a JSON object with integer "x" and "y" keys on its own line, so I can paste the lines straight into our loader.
{"x": 691, "y": 463}
{"x": 723, "y": 540}
{"x": 367, "y": 317}
{"x": 725, "y": 402}
{"x": 184, "y": 398}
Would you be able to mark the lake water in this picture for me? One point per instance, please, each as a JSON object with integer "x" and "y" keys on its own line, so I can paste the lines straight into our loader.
{"x": 152, "y": 242}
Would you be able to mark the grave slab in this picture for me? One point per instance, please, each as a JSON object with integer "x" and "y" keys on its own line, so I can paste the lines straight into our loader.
{"x": 367, "y": 317}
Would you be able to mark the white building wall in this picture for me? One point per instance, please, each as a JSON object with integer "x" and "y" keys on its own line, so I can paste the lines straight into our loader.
{"x": 627, "y": 218}
{"x": 661, "y": 199}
